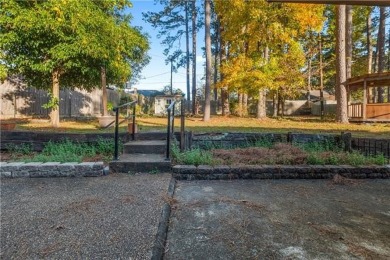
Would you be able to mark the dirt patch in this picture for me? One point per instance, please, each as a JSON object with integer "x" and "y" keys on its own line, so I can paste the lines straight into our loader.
{"x": 12, "y": 157}
{"x": 278, "y": 154}
{"x": 97, "y": 158}
{"x": 340, "y": 180}
{"x": 290, "y": 154}
{"x": 7, "y": 156}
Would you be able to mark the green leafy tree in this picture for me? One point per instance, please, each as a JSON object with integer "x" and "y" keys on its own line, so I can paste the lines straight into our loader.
{"x": 173, "y": 24}
{"x": 53, "y": 43}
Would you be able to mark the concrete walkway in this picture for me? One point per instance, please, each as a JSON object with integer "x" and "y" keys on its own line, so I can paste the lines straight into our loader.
{"x": 112, "y": 217}
{"x": 117, "y": 216}
{"x": 280, "y": 219}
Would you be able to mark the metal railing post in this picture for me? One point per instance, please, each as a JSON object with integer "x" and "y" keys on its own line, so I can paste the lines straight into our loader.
{"x": 116, "y": 134}
{"x": 182, "y": 126}
{"x": 173, "y": 119}
{"x": 168, "y": 133}
{"x": 133, "y": 126}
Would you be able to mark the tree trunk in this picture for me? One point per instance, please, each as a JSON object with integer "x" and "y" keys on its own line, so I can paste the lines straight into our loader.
{"x": 381, "y": 39}
{"x": 348, "y": 40}
{"x": 341, "y": 92}
{"x": 261, "y": 105}
{"x": 369, "y": 45}
{"x": 279, "y": 112}
{"x": 381, "y": 49}
{"x": 225, "y": 101}
{"x": 224, "y": 89}
{"x": 194, "y": 111}
{"x": 308, "y": 82}
{"x": 206, "y": 115}
{"x": 55, "y": 112}
{"x": 388, "y": 54}
{"x": 275, "y": 104}
{"x": 245, "y": 104}
{"x": 103, "y": 84}
{"x": 321, "y": 81}
{"x": 239, "y": 109}
{"x": 187, "y": 55}
{"x": 261, "y": 102}
{"x": 216, "y": 42}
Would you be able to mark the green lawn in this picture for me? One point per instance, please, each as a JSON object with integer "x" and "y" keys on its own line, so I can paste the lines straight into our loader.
{"x": 225, "y": 124}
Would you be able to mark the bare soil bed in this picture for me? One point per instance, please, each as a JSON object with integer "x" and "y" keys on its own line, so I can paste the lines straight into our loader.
{"x": 9, "y": 156}
{"x": 278, "y": 154}
{"x": 282, "y": 153}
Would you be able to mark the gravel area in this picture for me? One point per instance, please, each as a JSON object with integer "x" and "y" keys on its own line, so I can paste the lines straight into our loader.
{"x": 110, "y": 217}
{"x": 280, "y": 219}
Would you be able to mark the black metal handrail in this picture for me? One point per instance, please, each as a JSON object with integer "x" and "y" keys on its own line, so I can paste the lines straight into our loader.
{"x": 116, "y": 110}
{"x": 171, "y": 125}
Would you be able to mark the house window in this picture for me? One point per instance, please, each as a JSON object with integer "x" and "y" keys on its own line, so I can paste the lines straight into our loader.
{"x": 168, "y": 102}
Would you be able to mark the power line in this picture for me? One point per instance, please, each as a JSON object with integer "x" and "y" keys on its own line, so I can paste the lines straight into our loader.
{"x": 167, "y": 82}
{"x": 151, "y": 54}
{"x": 157, "y": 75}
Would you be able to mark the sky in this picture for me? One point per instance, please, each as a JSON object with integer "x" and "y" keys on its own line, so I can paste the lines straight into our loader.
{"x": 156, "y": 74}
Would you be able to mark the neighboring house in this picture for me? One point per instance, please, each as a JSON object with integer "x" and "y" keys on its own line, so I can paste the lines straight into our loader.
{"x": 315, "y": 95}
{"x": 162, "y": 102}
{"x": 145, "y": 99}
{"x": 154, "y": 101}
{"x": 314, "y": 107}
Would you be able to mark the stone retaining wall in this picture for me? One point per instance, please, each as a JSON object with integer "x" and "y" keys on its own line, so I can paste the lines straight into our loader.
{"x": 50, "y": 169}
{"x": 230, "y": 140}
{"x": 205, "y": 172}
{"x": 37, "y": 140}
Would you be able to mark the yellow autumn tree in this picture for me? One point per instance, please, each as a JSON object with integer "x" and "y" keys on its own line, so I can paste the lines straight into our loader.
{"x": 264, "y": 52}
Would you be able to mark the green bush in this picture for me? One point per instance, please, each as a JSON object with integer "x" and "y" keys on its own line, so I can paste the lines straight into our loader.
{"x": 314, "y": 159}
{"x": 62, "y": 158}
{"x": 19, "y": 149}
{"x": 322, "y": 146}
{"x": 105, "y": 146}
{"x": 68, "y": 151}
{"x": 264, "y": 143}
{"x": 192, "y": 157}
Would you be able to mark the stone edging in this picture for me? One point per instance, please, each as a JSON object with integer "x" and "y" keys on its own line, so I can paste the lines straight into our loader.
{"x": 224, "y": 172}
{"x": 162, "y": 231}
{"x": 50, "y": 169}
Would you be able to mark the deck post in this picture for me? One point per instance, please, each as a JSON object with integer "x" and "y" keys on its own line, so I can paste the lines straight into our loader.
{"x": 364, "y": 106}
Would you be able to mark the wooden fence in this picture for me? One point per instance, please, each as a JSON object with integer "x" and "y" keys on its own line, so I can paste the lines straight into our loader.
{"x": 21, "y": 101}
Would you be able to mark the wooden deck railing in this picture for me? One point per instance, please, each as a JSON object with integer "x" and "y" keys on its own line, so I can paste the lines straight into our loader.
{"x": 355, "y": 110}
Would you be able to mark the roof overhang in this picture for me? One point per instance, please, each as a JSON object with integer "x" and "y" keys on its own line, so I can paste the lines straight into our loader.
{"x": 337, "y": 2}
{"x": 372, "y": 80}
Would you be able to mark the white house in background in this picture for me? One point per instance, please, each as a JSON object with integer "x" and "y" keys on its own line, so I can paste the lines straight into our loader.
{"x": 162, "y": 102}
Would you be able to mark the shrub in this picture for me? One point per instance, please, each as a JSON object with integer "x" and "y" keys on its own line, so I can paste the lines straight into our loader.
{"x": 192, "y": 157}
{"x": 68, "y": 151}
{"x": 19, "y": 149}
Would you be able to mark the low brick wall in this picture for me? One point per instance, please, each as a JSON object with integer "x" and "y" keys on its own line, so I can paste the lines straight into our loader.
{"x": 50, "y": 169}
{"x": 223, "y": 172}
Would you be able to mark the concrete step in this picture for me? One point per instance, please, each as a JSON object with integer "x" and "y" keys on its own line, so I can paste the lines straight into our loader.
{"x": 132, "y": 163}
{"x": 145, "y": 147}
{"x": 152, "y": 135}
